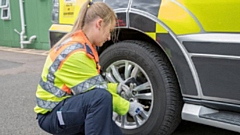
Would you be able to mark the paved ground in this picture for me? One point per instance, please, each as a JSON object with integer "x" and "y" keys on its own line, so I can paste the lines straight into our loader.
{"x": 19, "y": 75}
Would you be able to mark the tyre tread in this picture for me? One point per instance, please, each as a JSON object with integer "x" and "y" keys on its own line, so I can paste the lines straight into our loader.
{"x": 168, "y": 126}
{"x": 172, "y": 116}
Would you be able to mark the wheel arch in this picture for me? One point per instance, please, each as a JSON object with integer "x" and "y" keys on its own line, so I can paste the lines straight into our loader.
{"x": 134, "y": 34}
{"x": 166, "y": 44}
{"x": 130, "y": 34}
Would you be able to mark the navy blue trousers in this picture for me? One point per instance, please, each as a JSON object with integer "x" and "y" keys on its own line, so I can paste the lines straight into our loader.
{"x": 89, "y": 113}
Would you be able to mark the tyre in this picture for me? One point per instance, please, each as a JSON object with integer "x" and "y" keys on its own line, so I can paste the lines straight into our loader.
{"x": 155, "y": 86}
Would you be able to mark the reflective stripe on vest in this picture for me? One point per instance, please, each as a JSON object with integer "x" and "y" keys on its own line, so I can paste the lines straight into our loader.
{"x": 84, "y": 86}
{"x": 49, "y": 85}
{"x": 89, "y": 51}
{"x": 96, "y": 81}
{"x": 54, "y": 67}
{"x": 48, "y": 105}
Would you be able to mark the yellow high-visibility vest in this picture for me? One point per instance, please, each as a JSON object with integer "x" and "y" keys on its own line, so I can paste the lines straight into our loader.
{"x": 72, "y": 68}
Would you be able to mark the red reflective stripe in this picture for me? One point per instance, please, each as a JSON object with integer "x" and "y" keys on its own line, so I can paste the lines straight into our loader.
{"x": 78, "y": 37}
{"x": 66, "y": 89}
{"x": 81, "y": 37}
{"x": 90, "y": 56}
{"x": 55, "y": 53}
{"x": 98, "y": 68}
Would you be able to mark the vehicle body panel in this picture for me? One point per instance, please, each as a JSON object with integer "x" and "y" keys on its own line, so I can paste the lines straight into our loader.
{"x": 200, "y": 38}
{"x": 69, "y": 11}
{"x": 215, "y": 15}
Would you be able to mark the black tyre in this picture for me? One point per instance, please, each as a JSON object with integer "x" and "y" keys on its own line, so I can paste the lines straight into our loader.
{"x": 156, "y": 86}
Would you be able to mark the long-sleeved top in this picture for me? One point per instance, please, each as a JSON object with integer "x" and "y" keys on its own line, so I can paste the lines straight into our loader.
{"x": 75, "y": 67}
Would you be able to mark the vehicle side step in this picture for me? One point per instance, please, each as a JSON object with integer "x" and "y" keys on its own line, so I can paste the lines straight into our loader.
{"x": 223, "y": 116}
{"x": 212, "y": 117}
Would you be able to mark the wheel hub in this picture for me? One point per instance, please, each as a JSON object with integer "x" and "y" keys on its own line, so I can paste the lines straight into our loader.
{"x": 130, "y": 93}
{"x": 139, "y": 90}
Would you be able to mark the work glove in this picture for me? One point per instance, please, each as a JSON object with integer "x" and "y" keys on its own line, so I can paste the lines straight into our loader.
{"x": 135, "y": 108}
{"x": 124, "y": 85}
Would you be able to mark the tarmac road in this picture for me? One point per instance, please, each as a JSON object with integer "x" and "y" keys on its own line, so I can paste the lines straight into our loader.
{"x": 19, "y": 76}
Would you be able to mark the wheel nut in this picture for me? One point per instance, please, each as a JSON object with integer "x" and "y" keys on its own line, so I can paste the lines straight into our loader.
{"x": 131, "y": 99}
{"x": 133, "y": 92}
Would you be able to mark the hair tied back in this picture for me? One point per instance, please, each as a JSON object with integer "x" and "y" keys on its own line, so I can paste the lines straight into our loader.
{"x": 90, "y": 3}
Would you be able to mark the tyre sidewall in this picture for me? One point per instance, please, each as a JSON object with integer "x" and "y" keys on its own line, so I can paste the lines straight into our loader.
{"x": 135, "y": 53}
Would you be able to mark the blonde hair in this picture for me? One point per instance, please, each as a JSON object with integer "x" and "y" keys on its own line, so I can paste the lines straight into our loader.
{"x": 88, "y": 13}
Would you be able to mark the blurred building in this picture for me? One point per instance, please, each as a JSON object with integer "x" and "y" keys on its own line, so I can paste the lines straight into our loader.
{"x": 25, "y": 23}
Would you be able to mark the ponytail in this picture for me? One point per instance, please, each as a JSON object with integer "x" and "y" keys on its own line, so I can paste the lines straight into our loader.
{"x": 79, "y": 23}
